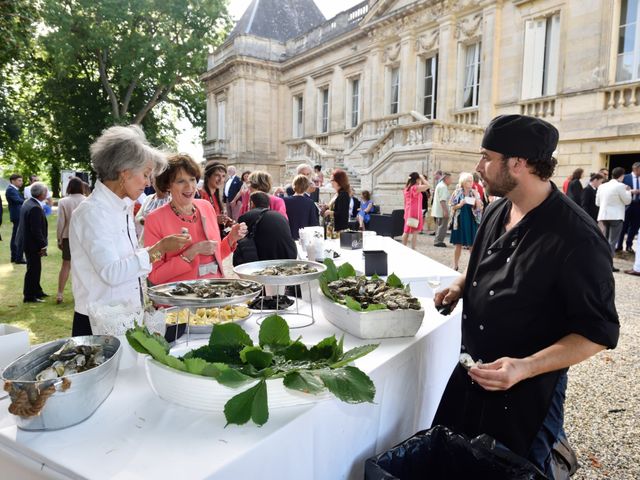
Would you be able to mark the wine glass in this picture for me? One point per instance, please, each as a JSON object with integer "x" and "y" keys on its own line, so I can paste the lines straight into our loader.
{"x": 433, "y": 282}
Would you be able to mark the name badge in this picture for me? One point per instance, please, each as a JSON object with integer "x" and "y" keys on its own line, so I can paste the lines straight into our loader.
{"x": 207, "y": 268}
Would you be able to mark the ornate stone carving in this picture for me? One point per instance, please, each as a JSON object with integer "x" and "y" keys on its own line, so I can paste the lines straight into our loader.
{"x": 469, "y": 27}
{"x": 391, "y": 53}
{"x": 428, "y": 42}
{"x": 461, "y": 5}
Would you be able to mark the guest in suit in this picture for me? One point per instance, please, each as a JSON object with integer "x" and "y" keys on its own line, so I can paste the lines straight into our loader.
{"x": 301, "y": 210}
{"x": 273, "y": 236}
{"x": 574, "y": 191}
{"x": 612, "y": 197}
{"x": 588, "y": 199}
{"x": 32, "y": 235}
{"x": 632, "y": 213}
{"x": 231, "y": 188}
{"x": 312, "y": 191}
{"x": 15, "y": 201}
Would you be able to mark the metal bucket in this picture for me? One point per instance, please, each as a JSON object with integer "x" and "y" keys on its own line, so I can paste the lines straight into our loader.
{"x": 76, "y": 396}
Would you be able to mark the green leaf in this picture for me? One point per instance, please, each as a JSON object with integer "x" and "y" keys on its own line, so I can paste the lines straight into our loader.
{"x": 394, "y": 281}
{"x": 375, "y": 276}
{"x": 195, "y": 365}
{"x": 250, "y": 404}
{"x": 303, "y": 381}
{"x": 216, "y": 354}
{"x": 142, "y": 341}
{"x": 274, "y": 331}
{"x": 349, "y": 384}
{"x": 346, "y": 270}
{"x": 256, "y": 357}
{"x": 174, "y": 362}
{"x": 296, "y": 351}
{"x": 331, "y": 273}
{"x": 354, "y": 354}
{"x": 374, "y": 306}
{"x": 352, "y": 303}
{"x": 229, "y": 335}
{"x": 225, "y": 375}
{"x": 324, "y": 286}
{"x": 325, "y": 349}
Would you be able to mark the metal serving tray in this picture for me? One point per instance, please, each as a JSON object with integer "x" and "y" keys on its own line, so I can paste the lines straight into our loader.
{"x": 160, "y": 295}
{"x": 247, "y": 270}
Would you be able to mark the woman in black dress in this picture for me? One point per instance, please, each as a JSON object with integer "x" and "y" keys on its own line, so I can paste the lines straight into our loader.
{"x": 339, "y": 205}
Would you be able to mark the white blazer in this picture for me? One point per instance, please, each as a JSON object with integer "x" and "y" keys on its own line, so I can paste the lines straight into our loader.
{"x": 612, "y": 197}
{"x": 106, "y": 263}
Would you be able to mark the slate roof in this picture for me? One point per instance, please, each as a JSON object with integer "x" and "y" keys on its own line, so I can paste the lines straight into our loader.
{"x": 279, "y": 19}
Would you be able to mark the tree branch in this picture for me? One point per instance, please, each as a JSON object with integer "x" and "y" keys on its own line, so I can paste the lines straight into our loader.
{"x": 127, "y": 97}
{"x": 154, "y": 100}
{"x": 102, "y": 67}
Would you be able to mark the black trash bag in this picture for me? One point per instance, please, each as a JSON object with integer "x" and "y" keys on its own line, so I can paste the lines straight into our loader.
{"x": 439, "y": 453}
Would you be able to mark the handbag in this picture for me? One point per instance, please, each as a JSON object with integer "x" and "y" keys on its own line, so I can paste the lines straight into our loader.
{"x": 413, "y": 222}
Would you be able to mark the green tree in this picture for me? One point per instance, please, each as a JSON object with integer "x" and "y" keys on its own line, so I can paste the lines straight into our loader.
{"x": 143, "y": 52}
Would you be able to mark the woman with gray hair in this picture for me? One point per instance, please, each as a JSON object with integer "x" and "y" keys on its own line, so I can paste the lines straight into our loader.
{"x": 106, "y": 262}
{"x": 466, "y": 207}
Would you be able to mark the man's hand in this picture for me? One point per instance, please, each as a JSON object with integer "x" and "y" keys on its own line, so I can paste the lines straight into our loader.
{"x": 448, "y": 296}
{"x": 502, "y": 374}
{"x": 43, "y": 252}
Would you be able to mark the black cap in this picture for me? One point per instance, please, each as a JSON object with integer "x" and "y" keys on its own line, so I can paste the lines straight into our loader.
{"x": 520, "y": 136}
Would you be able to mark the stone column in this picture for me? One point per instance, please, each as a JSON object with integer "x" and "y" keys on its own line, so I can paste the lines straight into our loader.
{"x": 408, "y": 67}
{"x": 489, "y": 66}
{"x": 373, "y": 107}
{"x": 447, "y": 65}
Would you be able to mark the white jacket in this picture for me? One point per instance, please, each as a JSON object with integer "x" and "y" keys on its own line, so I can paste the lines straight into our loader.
{"x": 106, "y": 263}
{"x": 612, "y": 197}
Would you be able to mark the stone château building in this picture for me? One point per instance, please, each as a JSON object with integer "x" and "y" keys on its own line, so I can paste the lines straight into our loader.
{"x": 392, "y": 86}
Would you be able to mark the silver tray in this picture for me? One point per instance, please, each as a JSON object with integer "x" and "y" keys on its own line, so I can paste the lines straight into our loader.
{"x": 247, "y": 270}
{"x": 196, "y": 329}
{"x": 159, "y": 294}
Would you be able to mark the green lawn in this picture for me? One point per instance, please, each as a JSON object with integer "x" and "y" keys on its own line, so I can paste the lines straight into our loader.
{"x": 46, "y": 321}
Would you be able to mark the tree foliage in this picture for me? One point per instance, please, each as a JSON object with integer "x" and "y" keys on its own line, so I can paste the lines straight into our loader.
{"x": 75, "y": 67}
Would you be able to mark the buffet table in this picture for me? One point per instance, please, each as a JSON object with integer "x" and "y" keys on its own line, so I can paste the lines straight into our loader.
{"x": 135, "y": 434}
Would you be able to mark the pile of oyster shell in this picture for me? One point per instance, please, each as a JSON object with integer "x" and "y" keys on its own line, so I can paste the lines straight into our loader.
{"x": 287, "y": 270}
{"x": 368, "y": 291}
{"x": 71, "y": 359}
{"x": 205, "y": 289}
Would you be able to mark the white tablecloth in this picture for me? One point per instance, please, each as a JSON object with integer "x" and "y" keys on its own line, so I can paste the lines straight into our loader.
{"x": 136, "y": 435}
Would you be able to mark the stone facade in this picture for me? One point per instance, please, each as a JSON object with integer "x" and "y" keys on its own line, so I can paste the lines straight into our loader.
{"x": 555, "y": 59}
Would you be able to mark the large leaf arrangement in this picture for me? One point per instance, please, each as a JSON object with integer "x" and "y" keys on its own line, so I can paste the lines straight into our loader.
{"x": 233, "y": 360}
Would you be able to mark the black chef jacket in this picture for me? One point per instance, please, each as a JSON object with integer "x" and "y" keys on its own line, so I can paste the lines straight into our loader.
{"x": 525, "y": 289}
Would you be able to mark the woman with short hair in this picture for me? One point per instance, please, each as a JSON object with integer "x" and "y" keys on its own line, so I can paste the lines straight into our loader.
{"x": 203, "y": 257}
{"x": 261, "y": 182}
{"x": 106, "y": 262}
{"x": 66, "y": 206}
{"x": 301, "y": 210}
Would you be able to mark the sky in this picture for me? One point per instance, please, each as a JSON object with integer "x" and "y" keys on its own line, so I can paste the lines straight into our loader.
{"x": 188, "y": 140}
{"x": 329, "y": 8}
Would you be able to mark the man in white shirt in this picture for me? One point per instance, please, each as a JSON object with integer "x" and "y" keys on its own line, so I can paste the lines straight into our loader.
{"x": 612, "y": 197}
{"x": 27, "y": 190}
{"x": 440, "y": 209}
{"x": 231, "y": 188}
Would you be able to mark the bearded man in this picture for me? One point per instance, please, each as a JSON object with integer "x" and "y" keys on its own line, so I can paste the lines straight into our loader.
{"x": 538, "y": 298}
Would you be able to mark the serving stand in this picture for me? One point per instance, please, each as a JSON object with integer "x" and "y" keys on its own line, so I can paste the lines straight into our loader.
{"x": 295, "y": 319}
{"x": 161, "y": 296}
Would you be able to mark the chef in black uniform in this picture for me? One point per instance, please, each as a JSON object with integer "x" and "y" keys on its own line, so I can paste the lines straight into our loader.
{"x": 538, "y": 297}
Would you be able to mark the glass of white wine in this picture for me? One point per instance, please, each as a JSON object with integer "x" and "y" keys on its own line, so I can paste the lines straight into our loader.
{"x": 434, "y": 283}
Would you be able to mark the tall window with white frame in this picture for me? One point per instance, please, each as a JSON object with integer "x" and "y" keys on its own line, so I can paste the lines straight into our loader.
{"x": 355, "y": 102}
{"x": 541, "y": 53}
{"x": 430, "y": 86}
{"x": 298, "y": 116}
{"x": 628, "y": 58}
{"x": 471, "y": 80}
{"x": 222, "y": 105}
{"x": 324, "y": 110}
{"x": 394, "y": 106}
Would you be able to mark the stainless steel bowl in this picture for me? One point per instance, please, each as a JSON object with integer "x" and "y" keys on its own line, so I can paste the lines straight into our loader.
{"x": 247, "y": 271}
{"x": 86, "y": 390}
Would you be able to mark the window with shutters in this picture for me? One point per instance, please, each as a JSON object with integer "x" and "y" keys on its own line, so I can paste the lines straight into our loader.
{"x": 541, "y": 53}
{"x": 222, "y": 106}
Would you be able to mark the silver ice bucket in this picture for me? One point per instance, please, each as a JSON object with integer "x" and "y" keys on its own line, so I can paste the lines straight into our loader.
{"x": 66, "y": 401}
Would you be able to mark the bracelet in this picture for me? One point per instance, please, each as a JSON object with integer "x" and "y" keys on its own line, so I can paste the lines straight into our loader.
{"x": 154, "y": 255}
{"x": 183, "y": 257}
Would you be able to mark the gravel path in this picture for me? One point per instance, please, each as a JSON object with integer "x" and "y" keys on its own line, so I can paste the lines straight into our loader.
{"x": 602, "y": 408}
